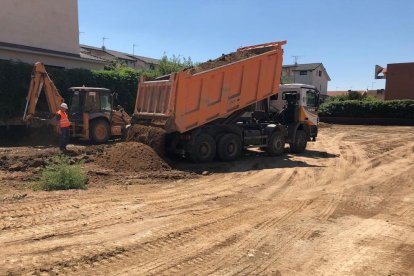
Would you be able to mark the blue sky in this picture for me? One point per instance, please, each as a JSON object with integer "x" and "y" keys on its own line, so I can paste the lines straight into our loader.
{"x": 348, "y": 36}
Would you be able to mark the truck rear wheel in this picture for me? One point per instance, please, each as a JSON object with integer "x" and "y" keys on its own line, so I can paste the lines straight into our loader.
{"x": 299, "y": 145}
{"x": 229, "y": 147}
{"x": 203, "y": 149}
{"x": 99, "y": 131}
{"x": 276, "y": 144}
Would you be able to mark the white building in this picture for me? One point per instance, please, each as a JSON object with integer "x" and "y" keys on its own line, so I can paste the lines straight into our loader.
{"x": 312, "y": 73}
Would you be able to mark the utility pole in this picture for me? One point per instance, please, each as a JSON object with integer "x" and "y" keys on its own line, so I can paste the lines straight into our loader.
{"x": 133, "y": 49}
{"x": 372, "y": 85}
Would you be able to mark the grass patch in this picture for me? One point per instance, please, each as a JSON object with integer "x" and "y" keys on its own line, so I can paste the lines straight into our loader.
{"x": 60, "y": 174}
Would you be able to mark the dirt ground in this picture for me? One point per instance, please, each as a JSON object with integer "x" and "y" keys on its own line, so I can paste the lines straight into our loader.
{"x": 345, "y": 207}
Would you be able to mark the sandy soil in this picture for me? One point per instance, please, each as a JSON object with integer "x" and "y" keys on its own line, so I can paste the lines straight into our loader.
{"x": 345, "y": 207}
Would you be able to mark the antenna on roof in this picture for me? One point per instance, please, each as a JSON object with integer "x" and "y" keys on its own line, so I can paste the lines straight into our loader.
{"x": 133, "y": 49}
{"x": 103, "y": 42}
{"x": 296, "y": 59}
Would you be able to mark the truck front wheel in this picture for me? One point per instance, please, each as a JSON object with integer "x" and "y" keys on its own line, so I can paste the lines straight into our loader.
{"x": 276, "y": 144}
{"x": 203, "y": 149}
{"x": 229, "y": 147}
{"x": 99, "y": 131}
{"x": 300, "y": 142}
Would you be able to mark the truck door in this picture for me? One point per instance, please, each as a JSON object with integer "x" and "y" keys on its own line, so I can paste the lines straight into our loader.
{"x": 309, "y": 105}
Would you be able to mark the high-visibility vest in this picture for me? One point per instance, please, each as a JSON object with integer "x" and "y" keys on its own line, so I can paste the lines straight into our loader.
{"x": 64, "y": 120}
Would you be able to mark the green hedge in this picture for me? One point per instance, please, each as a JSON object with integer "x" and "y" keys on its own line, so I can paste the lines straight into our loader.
{"x": 15, "y": 79}
{"x": 368, "y": 109}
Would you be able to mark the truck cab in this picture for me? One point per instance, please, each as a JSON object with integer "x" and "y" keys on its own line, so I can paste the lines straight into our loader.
{"x": 306, "y": 103}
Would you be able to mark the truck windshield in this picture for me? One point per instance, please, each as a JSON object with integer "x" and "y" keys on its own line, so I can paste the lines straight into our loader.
{"x": 311, "y": 99}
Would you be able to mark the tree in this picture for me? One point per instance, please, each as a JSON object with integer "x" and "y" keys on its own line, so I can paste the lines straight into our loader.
{"x": 173, "y": 64}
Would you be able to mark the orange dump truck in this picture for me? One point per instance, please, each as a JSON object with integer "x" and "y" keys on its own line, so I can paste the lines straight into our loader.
{"x": 214, "y": 112}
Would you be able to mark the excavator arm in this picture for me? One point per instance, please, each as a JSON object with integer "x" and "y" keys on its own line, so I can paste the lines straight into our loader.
{"x": 41, "y": 80}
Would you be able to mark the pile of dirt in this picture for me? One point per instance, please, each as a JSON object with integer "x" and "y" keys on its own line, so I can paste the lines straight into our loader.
{"x": 27, "y": 159}
{"x": 226, "y": 59}
{"x": 24, "y": 160}
{"x": 148, "y": 135}
{"x": 132, "y": 157}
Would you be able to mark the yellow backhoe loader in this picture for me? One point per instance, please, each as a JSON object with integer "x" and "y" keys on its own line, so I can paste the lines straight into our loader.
{"x": 91, "y": 110}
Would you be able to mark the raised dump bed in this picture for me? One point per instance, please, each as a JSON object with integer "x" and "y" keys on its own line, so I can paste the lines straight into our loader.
{"x": 190, "y": 98}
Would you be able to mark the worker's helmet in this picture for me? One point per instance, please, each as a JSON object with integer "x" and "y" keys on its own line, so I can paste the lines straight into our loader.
{"x": 63, "y": 105}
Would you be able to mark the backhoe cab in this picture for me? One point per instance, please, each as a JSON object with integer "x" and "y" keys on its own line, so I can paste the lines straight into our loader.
{"x": 92, "y": 115}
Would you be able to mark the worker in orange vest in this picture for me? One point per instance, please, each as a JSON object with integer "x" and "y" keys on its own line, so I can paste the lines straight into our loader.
{"x": 64, "y": 125}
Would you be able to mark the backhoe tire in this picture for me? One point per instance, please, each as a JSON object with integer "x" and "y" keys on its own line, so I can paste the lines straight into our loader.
{"x": 229, "y": 147}
{"x": 99, "y": 131}
{"x": 203, "y": 149}
{"x": 276, "y": 144}
{"x": 299, "y": 145}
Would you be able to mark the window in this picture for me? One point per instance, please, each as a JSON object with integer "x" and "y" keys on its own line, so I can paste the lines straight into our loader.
{"x": 311, "y": 98}
{"x": 105, "y": 102}
{"x": 320, "y": 73}
{"x": 91, "y": 102}
{"x": 74, "y": 107}
{"x": 303, "y": 73}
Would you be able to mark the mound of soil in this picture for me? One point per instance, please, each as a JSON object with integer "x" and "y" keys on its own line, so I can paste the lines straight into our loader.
{"x": 149, "y": 135}
{"x": 226, "y": 59}
{"x": 132, "y": 156}
{"x": 16, "y": 160}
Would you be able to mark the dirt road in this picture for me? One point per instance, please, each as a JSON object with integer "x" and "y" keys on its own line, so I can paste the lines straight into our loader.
{"x": 346, "y": 207}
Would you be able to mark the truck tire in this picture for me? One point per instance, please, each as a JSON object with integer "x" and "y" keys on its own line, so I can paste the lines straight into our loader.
{"x": 299, "y": 145}
{"x": 99, "y": 131}
{"x": 276, "y": 144}
{"x": 229, "y": 147}
{"x": 203, "y": 149}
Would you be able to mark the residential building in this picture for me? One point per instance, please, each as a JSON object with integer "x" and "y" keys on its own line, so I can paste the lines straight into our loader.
{"x": 312, "y": 73}
{"x": 399, "y": 80}
{"x": 48, "y": 31}
{"x": 133, "y": 61}
{"x": 44, "y": 31}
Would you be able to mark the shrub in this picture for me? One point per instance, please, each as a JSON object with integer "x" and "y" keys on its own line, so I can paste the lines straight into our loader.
{"x": 60, "y": 174}
{"x": 368, "y": 109}
{"x": 352, "y": 95}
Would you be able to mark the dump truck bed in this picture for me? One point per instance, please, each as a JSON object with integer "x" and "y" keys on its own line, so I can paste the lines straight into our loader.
{"x": 189, "y": 100}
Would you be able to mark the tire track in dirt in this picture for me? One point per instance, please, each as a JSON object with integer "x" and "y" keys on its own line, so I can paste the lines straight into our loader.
{"x": 256, "y": 220}
{"x": 166, "y": 241}
{"x": 182, "y": 264}
{"x": 326, "y": 208}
